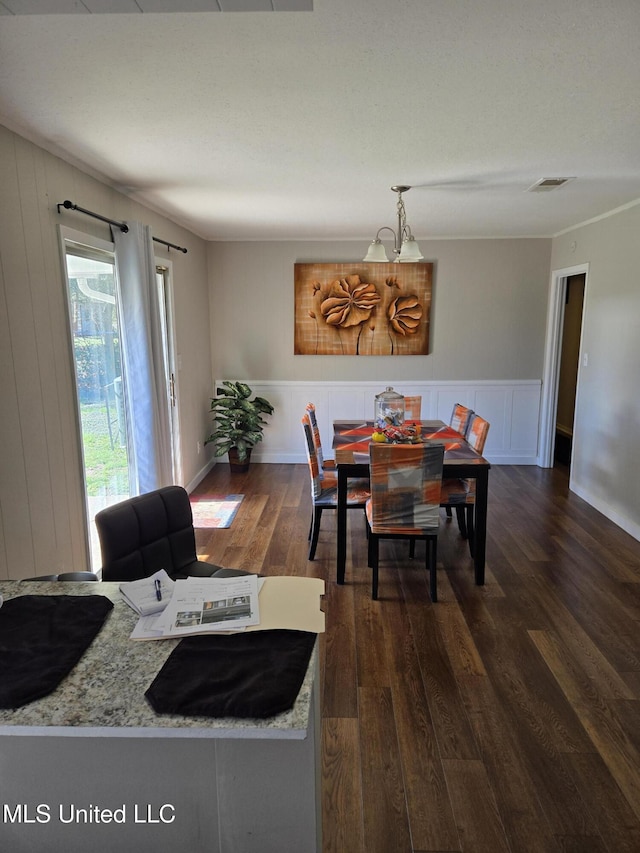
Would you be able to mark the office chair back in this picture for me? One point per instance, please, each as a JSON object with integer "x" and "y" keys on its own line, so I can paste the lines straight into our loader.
{"x": 149, "y": 532}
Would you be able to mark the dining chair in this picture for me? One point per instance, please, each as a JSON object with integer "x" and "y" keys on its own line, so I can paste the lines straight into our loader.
{"x": 413, "y": 408}
{"x": 324, "y": 488}
{"x": 459, "y": 421}
{"x": 460, "y": 494}
{"x": 326, "y": 464}
{"x": 460, "y": 417}
{"x": 405, "y": 501}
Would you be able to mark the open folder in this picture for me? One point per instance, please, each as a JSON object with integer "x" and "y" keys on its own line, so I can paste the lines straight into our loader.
{"x": 284, "y": 602}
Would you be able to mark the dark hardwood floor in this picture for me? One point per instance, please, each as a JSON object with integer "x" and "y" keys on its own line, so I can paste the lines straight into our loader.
{"x": 502, "y": 718}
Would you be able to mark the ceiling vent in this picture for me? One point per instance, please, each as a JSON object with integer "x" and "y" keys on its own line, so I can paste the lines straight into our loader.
{"x": 546, "y": 184}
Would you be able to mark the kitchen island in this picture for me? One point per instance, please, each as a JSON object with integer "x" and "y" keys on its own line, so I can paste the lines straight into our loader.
{"x": 92, "y": 767}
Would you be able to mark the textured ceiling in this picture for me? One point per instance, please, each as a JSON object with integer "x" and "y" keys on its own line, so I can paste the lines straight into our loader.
{"x": 101, "y": 7}
{"x": 295, "y": 126}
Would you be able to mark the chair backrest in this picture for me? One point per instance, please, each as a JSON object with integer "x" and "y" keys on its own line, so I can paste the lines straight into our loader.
{"x": 460, "y": 418}
{"x": 405, "y": 486}
{"x": 146, "y": 533}
{"x": 312, "y": 457}
{"x": 413, "y": 407}
{"x": 313, "y": 420}
{"x": 477, "y": 433}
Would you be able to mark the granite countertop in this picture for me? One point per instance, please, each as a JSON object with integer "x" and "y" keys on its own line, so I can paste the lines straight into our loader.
{"x": 104, "y": 694}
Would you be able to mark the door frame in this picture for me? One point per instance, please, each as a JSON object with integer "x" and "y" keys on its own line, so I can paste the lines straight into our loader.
{"x": 552, "y": 354}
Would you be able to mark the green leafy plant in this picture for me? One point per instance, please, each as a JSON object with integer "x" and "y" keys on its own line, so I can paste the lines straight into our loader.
{"x": 238, "y": 419}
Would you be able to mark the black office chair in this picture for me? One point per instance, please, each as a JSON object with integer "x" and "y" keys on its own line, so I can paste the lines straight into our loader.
{"x": 154, "y": 531}
{"x": 65, "y": 576}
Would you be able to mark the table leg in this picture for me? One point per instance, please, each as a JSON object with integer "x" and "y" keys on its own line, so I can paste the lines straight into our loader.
{"x": 480, "y": 541}
{"x": 341, "y": 523}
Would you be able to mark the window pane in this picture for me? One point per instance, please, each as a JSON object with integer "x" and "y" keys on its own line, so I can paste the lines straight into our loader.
{"x": 96, "y": 348}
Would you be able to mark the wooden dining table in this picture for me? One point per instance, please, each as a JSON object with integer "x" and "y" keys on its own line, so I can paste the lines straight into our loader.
{"x": 351, "y": 440}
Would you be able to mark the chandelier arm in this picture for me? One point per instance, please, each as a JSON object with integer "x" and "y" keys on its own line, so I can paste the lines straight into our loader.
{"x": 387, "y": 228}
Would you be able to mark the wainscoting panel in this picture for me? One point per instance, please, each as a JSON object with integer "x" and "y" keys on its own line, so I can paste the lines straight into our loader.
{"x": 511, "y": 407}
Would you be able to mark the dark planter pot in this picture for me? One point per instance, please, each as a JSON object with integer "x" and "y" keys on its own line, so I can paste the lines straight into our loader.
{"x": 236, "y": 466}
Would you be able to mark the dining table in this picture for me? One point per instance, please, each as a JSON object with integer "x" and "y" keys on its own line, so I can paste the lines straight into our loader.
{"x": 351, "y": 440}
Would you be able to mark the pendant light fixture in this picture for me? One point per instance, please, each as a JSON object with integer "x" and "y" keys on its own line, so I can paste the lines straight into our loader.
{"x": 405, "y": 248}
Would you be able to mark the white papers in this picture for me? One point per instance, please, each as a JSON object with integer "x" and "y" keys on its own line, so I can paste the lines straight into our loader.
{"x": 148, "y": 595}
{"x": 284, "y": 602}
{"x": 204, "y": 606}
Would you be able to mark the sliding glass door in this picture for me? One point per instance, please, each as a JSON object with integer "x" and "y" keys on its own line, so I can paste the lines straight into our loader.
{"x": 100, "y": 378}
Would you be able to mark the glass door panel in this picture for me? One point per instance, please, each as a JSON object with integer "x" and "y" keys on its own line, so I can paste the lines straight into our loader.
{"x": 95, "y": 336}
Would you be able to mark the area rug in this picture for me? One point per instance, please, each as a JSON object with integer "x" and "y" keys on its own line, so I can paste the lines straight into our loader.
{"x": 215, "y": 510}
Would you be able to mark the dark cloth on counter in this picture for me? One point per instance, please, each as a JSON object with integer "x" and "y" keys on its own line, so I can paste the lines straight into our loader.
{"x": 256, "y": 674}
{"x": 42, "y": 638}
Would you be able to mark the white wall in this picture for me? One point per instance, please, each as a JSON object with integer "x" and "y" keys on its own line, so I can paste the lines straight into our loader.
{"x": 41, "y": 496}
{"x": 606, "y": 463}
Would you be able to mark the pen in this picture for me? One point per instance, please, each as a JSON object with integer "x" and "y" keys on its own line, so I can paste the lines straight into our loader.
{"x": 158, "y": 590}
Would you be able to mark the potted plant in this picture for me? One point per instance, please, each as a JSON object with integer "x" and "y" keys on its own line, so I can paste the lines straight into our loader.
{"x": 238, "y": 422}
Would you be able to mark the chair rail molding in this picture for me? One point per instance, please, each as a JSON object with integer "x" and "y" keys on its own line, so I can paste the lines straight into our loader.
{"x": 512, "y": 407}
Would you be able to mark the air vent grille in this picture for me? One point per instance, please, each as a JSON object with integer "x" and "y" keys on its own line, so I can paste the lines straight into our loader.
{"x": 546, "y": 184}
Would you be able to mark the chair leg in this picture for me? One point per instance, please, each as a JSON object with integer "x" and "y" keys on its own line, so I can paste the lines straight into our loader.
{"x": 412, "y": 548}
{"x": 317, "y": 515}
{"x": 447, "y": 509}
{"x": 462, "y": 524}
{"x": 373, "y": 549}
{"x": 471, "y": 530}
{"x": 432, "y": 559}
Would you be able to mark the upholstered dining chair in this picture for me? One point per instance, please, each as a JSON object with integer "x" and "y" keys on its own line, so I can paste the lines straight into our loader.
{"x": 143, "y": 534}
{"x": 460, "y": 417}
{"x": 459, "y": 421}
{"x": 405, "y": 501}
{"x": 325, "y": 464}
{"x": 460, "y": 494}
{"x": 324, "y": 488}
{"x": 413, "y": 407}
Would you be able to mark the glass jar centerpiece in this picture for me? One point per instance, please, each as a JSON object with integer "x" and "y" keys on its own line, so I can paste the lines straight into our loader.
{"x": 389, "y": 409}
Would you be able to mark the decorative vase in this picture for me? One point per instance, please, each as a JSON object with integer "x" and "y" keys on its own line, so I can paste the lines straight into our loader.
{"x": 236, "y": 466}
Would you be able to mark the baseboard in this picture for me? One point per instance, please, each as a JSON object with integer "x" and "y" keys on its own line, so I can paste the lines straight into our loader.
{"x": 617, "y": 518}
{"x": 202, "y": 473}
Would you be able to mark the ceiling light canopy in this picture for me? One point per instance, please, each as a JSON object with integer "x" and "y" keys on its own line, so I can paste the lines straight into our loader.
{"x": 405, "y": 248}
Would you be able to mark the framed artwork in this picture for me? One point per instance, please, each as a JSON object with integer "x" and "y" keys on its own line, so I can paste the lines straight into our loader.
{"x": 362, "y": 309}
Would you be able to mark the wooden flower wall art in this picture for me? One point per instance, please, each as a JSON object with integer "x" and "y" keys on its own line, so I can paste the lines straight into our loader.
{"x": 362, "y": 309}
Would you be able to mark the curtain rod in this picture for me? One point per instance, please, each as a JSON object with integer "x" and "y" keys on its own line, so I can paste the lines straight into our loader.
{"x": 69, "y": 205}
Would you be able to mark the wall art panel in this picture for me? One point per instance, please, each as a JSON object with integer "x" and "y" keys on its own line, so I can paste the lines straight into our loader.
{"x": 362, "y": 309}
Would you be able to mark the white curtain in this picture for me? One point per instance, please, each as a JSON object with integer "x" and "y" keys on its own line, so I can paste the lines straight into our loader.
{"x": 144, "y": 373}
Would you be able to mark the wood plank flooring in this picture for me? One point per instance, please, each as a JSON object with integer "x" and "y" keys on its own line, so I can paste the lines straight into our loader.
{"x": 502, "y": 718}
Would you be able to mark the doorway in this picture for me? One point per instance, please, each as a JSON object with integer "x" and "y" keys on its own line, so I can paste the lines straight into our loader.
{"x": 562, "y": 365}
{"x": 568, "y": 371}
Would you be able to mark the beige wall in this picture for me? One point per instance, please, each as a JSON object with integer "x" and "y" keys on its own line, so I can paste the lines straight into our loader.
{"x": 488, "y": 315}
{"x": 606, "y": 462}
{"x": 41, "y": 511}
